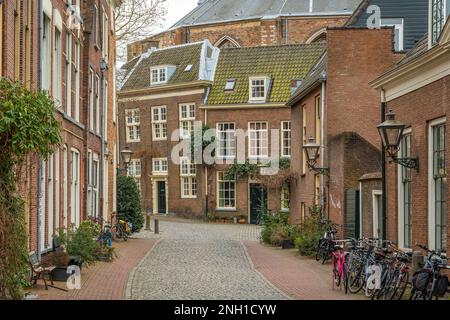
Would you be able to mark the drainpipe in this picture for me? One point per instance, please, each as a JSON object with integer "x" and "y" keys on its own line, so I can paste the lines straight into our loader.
{"x": 322, "y": 143}
{"x": 102, "y": 171}
{"x": 39, "y": 195}
{"x": 383, "y": 169}
{"x": 206, "y": 174}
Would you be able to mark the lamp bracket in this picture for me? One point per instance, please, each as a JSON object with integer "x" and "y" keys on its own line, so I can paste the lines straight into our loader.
{"x": 321, "y": 171}
{"x": 410, "y": 163}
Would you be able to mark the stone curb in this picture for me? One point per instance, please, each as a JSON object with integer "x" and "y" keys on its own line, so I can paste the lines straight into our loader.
{"x": 128, "y": 289}
{"x": 249, "y": 259}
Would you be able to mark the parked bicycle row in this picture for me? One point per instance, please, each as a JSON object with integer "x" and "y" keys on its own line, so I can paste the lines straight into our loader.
{"x": 381, "y": 270}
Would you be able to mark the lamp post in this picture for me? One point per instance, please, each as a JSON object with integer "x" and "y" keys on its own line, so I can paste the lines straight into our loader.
{"x": 312, "y": 150}
{"x": 126, "y": 157}
{"x": 391, "y": 133}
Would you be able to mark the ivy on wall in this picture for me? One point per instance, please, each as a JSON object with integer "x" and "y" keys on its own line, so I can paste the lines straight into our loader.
{"x": 27, "y": 125}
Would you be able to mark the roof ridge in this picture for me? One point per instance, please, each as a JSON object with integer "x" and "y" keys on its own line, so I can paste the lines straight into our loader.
{"x": 322, "y": 43}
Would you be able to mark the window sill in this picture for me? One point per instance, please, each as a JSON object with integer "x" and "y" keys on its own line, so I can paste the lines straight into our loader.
{"x": 226, "y": 209}
{"x": 133, "y": 141}
{"x": 187, "y": 197}
{"x": 159, "y": 139}
{"x": 72, "y": 120}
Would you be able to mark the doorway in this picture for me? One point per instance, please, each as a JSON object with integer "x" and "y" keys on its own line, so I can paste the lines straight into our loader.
{"x": 161, "y": 196}
{"x": 258, "y": 199}
{"x": 377, "y": 215}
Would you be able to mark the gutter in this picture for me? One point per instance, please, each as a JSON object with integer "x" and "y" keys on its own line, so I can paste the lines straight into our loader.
{"x": 244, "y": 106}
{"x": 165, "y": 88}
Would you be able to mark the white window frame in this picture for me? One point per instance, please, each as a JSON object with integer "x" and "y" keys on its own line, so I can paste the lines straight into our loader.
{"x": 262, "y": 145}
{"x": 69, "y": 73}
{"x": 158, "y": 71}
{"x": 160, "y": 166}
{"x": 187, "y": 119}
{"x": 159, "y": 123}
{"x": 91, "y": 90}
{"x": 222, "y": 180}
{"x": 401, "y": 194}
{"x": 105, "y": 34}
{"x": 75, "y": 187}
{"x": 375, "y": 221}
{"x": 264, "y": 85}
{"x": 229, "y": 143}
{"x": 50, "y": 200}
{"x": 77, "y": 81}
{"x": 189, "y": 175}
{"x": 46, "y": 61}
{"x": 434, "y": 36}
{"x": 398, "y": 24}
{"x": 286, "y": 144}
{"x": 97, "y": 103}
{"x": 135, "y": 171}
{"x": 57, "y": 67}
{"x": 431, "y": 185}
{"x": 135, "y": 125}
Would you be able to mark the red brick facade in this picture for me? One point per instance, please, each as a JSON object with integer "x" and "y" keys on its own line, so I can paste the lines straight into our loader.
{"x": 49, "y": 186}
{"x": 354, "y": 57}
{"x": 248, "y": 33}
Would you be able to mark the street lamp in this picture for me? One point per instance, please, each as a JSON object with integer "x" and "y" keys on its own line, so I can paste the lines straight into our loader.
{"x": 126, "y": 157}
{"x": 312, "y": 150}
{"x": 391, "y": 132}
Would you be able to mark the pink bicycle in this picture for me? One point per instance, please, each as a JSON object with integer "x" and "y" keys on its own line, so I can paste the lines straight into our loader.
{"x": 339, "y": 263}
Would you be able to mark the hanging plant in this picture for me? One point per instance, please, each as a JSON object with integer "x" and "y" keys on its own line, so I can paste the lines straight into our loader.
{"x": 27, "y": 125}
{"x": 240, "y": 171}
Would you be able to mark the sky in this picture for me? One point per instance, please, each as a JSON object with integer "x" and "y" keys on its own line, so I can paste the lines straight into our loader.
{"x": 177, "y": 9}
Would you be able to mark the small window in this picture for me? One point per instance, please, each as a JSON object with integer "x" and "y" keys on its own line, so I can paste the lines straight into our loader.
{"x": 160, "y": 166}
{"x": 258, "y": 89}
{"x": 229, "y": 86}
{"x": 159, "y": 75}
{"x": 188, "y": 68}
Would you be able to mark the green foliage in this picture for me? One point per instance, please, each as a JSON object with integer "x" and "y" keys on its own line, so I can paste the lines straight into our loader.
{"x": 285, "y": 163}
{"x": 202, "y": 138}
{"x": 310, "y": 232}
{"x": 83, "y": 242}
{"x": 276, "y": 227}
{"x": 238, "y": 171}
{"x": 129, "y": 202}
{"x": 27, "y": 125}
{"x": 210, "y": 217}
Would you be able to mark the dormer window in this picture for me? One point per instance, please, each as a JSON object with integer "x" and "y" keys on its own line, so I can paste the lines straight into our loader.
{"x": 439, "y": 12}
{"x": 159, "y": 75}
{"x": 188, "y": 68}
{"x": 230, "y": 84}
{"x": 258, "y": 89}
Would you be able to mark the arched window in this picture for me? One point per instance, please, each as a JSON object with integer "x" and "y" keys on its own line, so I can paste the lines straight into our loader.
{"x": 227, "y": 42}
{"x": 319, "y": 35}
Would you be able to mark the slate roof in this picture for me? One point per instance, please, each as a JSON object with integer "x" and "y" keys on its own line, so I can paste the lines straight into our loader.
{"x": 280, "y": 63}
{"x": 137, "y": 71}
{"x": 215, "y": 11}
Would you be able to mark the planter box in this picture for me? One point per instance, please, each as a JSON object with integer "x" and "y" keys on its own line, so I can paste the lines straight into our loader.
{"x": 60, "y": 273}
{"x": 287, "y": 244}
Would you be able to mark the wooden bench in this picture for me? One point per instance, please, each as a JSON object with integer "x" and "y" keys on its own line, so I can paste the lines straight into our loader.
{"x": 38, "y": 270}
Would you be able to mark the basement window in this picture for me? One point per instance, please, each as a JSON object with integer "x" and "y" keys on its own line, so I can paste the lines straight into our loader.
{"x": 230, "y": 84}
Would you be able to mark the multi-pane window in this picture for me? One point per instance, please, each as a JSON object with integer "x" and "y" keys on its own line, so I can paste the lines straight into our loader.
{"x": 46, "y": 53}
{"x": 285, "y": 198}
{"x": 188, "y": 179}
{"x": 187, "y": 118}
{"x": 405, "y": 152}
{"x": 259, "y": 140}
{"x": 57, "y": 63}
{"x": 159, "y": 75}
{"x": 226, "y": 195}
{"x": 160, "y": 166}
{"x": 91, "y": 100}
{"x": 133, "y": 122}
{"x": 77, "y": 82}
{"x": 95, "y": 26}
{"x": 437, "y": 19}
{"x": 69, "y": 74}
{"x": 258, "y": 89}
{"x": 97, "y": 103}
{"x": 285, "y": 138}
{"x": 104, "y": 33}
{"x": 440, "y": 186}
{"x": 226, "y": 135}
{"x": 159, "y": 123}
{"x": 134, "y": 171}
{"x": 93, "y": 183}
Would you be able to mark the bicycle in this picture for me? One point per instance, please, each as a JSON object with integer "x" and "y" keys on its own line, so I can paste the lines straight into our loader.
{"x": 339, "y": 263}
{"x": 325, "y": 246}
{"x": 429, "y": 282}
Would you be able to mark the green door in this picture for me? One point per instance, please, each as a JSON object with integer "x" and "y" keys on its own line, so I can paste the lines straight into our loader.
{"x": 161, "y": 197}
{"x": 258, "y": 197}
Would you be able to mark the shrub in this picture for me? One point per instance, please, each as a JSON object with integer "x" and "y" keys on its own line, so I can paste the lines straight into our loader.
{"x": 129, "y": 202}
{"x": 309, "y": 233}
{"x": 83, "y": 242}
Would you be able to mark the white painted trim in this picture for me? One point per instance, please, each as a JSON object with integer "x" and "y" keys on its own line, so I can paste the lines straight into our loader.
{"x": 159, "y": 173}
{"x": 400, "y": 204}
{"x": 257, "y": 99}
{"x": 217, "y": 195}
{"x": 431, "y": 189}
{"x": 400, "y": 27}
{"x": 155, "y": 204}
{"x": 47, "y": 8}
{"x": 226, "y": 37}
{"x": 375, "y": 225}
{"x": 57, "y": 20}
{"x": 158, "y": 122}
{"x": 163, "y": 95}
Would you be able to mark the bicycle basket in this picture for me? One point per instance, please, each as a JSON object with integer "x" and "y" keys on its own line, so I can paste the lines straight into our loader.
{"x": 441, "y": 286}
{"x": 421, "y": 278}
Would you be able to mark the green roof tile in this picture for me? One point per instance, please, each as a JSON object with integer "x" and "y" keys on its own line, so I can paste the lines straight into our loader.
{"x": 180, "y": 56}
{"x": 280, "y": 63}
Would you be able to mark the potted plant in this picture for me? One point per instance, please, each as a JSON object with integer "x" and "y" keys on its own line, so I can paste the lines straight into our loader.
{"x": 242, "y": 220}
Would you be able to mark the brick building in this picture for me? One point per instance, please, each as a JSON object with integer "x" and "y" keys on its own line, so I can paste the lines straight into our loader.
{"x": 417, "y": 90}
{"x": 76, "y": 67}
{"x": 249, "y": 23}
{"x": 337, "y": 109}
{"x": 162, "y": 91}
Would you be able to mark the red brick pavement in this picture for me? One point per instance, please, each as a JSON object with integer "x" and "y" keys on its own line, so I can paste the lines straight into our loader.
{"x": 299, "y": 277}
{"x": 103, "y": 280}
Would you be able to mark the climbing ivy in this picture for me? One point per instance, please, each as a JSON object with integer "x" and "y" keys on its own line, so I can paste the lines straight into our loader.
{"x": 27, "y": 125}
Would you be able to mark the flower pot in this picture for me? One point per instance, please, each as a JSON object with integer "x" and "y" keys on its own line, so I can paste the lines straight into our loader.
{"x": 242, "y": 221}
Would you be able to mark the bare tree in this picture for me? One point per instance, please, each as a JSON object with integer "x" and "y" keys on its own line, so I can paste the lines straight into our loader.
{"x": 136, "y": 20}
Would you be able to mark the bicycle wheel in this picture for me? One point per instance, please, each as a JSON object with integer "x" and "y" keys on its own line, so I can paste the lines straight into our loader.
{"x": 117, "y": 232}
{"x": 336, "y": 275}
{"x": 400, "y": 286}
{"x": 344, "y": 276}
{"x": 391, "y": 286}
{"x": 355, "y": 278}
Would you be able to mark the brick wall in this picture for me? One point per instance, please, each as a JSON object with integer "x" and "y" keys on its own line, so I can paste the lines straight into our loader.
{"x": 416, "y": 110}
{"x": 369, "y": 184}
